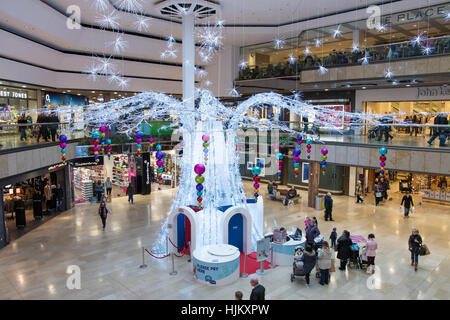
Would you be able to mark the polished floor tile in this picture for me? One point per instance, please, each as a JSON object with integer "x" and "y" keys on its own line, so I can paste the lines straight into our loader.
{"x": 34, "y": 266}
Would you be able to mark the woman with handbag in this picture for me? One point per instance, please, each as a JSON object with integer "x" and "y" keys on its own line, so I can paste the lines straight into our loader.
{"x": 414, "y": 244}
{"x": 324, "y": 262}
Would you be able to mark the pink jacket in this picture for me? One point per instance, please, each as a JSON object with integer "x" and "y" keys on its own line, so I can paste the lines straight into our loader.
{"x": 371, "y": 248}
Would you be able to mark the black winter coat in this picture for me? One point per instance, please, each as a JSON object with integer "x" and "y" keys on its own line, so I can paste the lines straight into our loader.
{"x": 309, "y": 260}
{"x": 328, "y": 202}
{"x": 415, "y": 246}
{"x": 343, "y": 248}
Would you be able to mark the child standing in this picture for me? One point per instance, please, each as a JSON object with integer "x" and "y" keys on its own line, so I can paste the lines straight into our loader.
{"x": 333, "y": 237}
{"x": 307, "y": 222}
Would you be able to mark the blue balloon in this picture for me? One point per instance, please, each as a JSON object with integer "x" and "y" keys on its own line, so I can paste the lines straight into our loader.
{"x": 324, "y": 162}
{"x": 138, "y": 146}
{"x": 138, "y": 134}
{"x": 279, "y": 156}
{"x": 308, "y": 141}
{"x": 159, "y": 155}
{"x": 296, "y": 165}
{"x": 95, "y": 134}
{"x": 160, "y": 169}
{"x": 324, "y": 166}
{"x": 63, "y": 150}
{"x": 108, "y": 141}
{"x": 299, "y": 137}
{"x": 256, "y": 195}
{"x": 256, "y": 171}
{"x": 199, "y": 194}
{"x": 382, "y": 171}
{"x": 383, "y": 151}
{"x": 296, "y": 152}
{"x": 158, "y": 147}
{"x": 62, "y": 138}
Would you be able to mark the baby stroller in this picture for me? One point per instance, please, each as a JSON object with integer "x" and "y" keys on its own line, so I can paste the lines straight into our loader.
{"x": 372, "y": 133}
{"x": 318, "y": 241}
{"x": 355, "y": 260}
{"x": 363, "y": 258}
{"x": 298, "y": 269}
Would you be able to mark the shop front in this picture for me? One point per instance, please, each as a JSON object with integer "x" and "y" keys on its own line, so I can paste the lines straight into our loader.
{"x": 32, "y": 198}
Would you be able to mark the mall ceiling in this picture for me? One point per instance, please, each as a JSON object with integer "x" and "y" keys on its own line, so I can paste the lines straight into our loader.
{"x": 34, "y": 35}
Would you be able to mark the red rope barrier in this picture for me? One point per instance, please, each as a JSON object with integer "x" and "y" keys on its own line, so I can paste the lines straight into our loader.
{"x": 180, "y": 248}
{"x": 156, "y": 256}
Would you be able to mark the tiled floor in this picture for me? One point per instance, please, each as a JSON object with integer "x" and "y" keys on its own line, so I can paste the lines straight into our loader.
{"x": 34, "y": 266}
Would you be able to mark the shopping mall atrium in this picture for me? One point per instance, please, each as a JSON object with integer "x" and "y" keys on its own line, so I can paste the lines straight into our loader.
{"x": 213, "y": 149}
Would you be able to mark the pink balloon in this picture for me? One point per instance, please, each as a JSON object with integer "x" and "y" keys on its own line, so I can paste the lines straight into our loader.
{"x": 151, "y": 140}
{"x": 324, "y": 151}
{"x": 96, "y": 148}
{"x": 159, "y": 163}
{"x": 280, "y": 167}
{"x": 276, "y": 145}
{"x": 256, "y": 185}
{"x": 63, "y": 145}
{"x": 382, "y": 164}
{"x": 199, "y": 168}
{"x": 102, "y": 129}
{"x": 139, "y": 140}
{"x": 296, "y": 159}
{"x": 205, "y": 138}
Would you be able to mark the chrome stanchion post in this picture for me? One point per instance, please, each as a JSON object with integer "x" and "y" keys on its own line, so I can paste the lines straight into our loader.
{"x": 244, "y": 274}
{"x": 143, "y": 265}
{"x": 173, "y": 273}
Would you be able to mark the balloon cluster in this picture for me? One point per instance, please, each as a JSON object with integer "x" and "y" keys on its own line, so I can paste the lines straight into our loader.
{"x": 138, "y": 143}
{"x": 95, "y": 136}
{"x": 237, "y": 144}
{"x": 324, "y": 152}
{"x": 108, "y": 148}
{"x": 102, "y": 138}
{"x": 279, "y": 156}
{"x": 199, "y": 169}
{"x": 383, "y": 152}
{"x": 256, "y": 179}
{"x": 63, "y": 145}
{"x": 159, "y": 163}
{"x": 296, "y": 159}
{"x": 205, "y": 139}
{"x": 151, "y": 140}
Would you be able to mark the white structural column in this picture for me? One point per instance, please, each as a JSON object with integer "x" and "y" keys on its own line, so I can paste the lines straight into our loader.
{"x": 188, "y": 60}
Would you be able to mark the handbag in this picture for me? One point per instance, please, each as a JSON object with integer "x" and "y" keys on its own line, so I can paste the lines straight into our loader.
{"x": 427, "y": 251}
{"x": 378, "y": 194}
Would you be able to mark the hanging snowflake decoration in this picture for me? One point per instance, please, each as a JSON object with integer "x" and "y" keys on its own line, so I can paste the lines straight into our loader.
{"x": 381, "y": 27}
{"x": 427, "y": 50}
{"x": 234, "y": 92}
{"x": 279, "y": 43}
{"x": 100, "y": 5}
{"x": 243, "y": 65}
{"x": 417, "y": 40}
{"x": 389, "y": 73}
{"x": 307, "y": 51}
{"x": 142, "y": 23}
{"x": 131, "y": 5}
{"x": 109, "y": 20}
{"x": 318, "y": 42}
{"x": 355, "y": 48}
{"x": 291, "y": 58}
{"x": 322, "y": 69}
{"x": 201, "y": 72}
{"x": 119, "y": 44}
{"x": 337, "y": 32}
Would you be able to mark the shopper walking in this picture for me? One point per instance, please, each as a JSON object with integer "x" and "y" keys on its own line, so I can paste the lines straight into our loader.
{"x": 414, "y": 244}
{"x": 440, "y": 132}
{"x": 108, "y": 186}
{"x": 53, "y": 128}
{"x": 22, "y": 121}
{"x": 359, "y": 192}
{"x": 43, "y": 129}
{"x": 407, "y": 203}
{"x": 99, "y": 191}
{"x": 384, "y": 186}
{"x": 312, "y": 232}
{"x": 328, "y": 202}
{"x": 343, "y": 248}
{"x": 377, "y": 191}
{"x": 333, "y": 237}
{"x": 371, "y": 248}
{"x": 309, "y": 261}
{"x": 324, "y": 262}
{"x": 130, "y": 192}
{"x": 258, "y": 291}
{"x": 37, "y": 204}
{"x": 103, "y": 212}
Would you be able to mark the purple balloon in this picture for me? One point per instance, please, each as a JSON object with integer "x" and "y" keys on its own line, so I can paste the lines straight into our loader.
{"x": 205, "y": 150}
{"x": 102, "y": 129}
{"x": 160, "y": 163}
{"x": 280, "y": 167}
{"x": 205, "y": 138}
{"x": 199, "y": 187}
{"x": 63, "y": 145}
{"x": 296, "y": 159}
{"x": 159, "y": 155}
{"x": 324, "y": 151}
{"x": 151, "y": 140}
{"x": 199, "y": 168}
{"x": 256, "y": 185}
{"x": 138, "y": 140}
{"x": 382, "y": 164}
{"x": 296, "y": 152}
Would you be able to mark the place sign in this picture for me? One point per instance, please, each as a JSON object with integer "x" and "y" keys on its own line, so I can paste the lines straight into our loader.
{"x": 13, "y": 94}
{"x": 438, "y": 92}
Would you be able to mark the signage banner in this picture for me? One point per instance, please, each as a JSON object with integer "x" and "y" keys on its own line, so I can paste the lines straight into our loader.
{"x": 61, "y": 99}
{"x": 262, "y": 249}
{"x": 86, "y": 162}
{"x": 213, "y": 273}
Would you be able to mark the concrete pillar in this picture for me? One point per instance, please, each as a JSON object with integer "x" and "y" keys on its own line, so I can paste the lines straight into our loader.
{"x": 313, "y": 185}
{"x": 352, "y": 181}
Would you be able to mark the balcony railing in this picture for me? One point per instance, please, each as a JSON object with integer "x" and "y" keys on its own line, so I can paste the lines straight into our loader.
{"x": 380, "y": 53}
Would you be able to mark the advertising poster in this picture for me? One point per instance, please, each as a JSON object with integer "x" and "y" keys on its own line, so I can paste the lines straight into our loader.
{"x": 305, "y": 172}
{"x": 214, "y": 273}
{"x": 262, "y": 249}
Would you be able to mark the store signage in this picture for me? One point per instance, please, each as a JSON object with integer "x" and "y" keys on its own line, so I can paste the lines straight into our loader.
{"x": 61, "y": 99}
{"x": 86, "y": 162}
{"x": 56, "y": 166}
{"x": 442, "y": 91}
{"x": 13, "y": 94}
{"x": 415, "y": 15}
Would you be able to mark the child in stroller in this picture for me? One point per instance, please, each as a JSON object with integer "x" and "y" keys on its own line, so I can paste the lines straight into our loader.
{"x": 355, "y": 259}
{"x": 298, "y": 268}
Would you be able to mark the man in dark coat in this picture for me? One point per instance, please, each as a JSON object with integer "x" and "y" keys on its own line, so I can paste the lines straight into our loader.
{"x": 258, "y": 291}
{"x": 343, "y": 248}
{"x": 328, "y": 207}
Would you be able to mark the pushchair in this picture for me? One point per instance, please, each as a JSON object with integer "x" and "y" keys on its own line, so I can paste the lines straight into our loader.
{"x": 298, "y": 269}
{"x": 318, "y": 241}
{"x": 373, "y": 133}
{"x": 355, "y": 260}
{"x": 363, "y": 258}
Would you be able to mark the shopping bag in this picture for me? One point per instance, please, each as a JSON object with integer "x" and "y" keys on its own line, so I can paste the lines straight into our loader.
{"x": 400, "y": 209}
{"x": 427, "y": 251}
{"x": 378, "y": 194}
{"x": 413, "y": 210}
{"x": 332, "y": 269}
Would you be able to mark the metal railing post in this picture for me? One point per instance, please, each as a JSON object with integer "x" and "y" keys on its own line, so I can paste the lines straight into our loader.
{"x": 143, "y": 265}
{"x": 173, "y": 273}
{"x": 244, "y": 274}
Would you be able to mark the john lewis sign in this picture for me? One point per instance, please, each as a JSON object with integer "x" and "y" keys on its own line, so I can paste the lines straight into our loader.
{"x": 433, "y": 92}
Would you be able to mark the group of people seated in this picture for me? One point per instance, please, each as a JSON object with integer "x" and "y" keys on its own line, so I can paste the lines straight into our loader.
{"x": 275, "y": 194}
